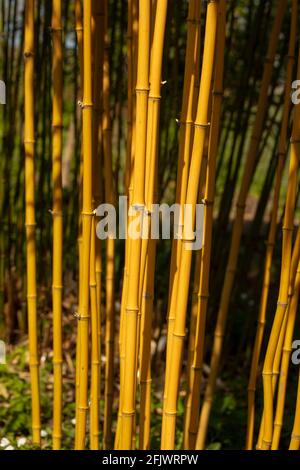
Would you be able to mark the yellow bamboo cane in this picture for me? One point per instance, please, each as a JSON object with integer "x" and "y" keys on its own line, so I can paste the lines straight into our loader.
{"x": 79, "y": 36}
{"x": 95, "y": 288}
{"x": 95, "y": 350}
{"x": 284, "y": 277}
{"x": 57, "y": 71}
{"x": 132, "y": 304}
{"x": 201, "y": 126}
{"x": 87, "y": 215}
{"x": 191, "y": 349}
{"x": 129, "y": 167}
{"x": 29, "y": 140}
{"x": 282, "y": 147}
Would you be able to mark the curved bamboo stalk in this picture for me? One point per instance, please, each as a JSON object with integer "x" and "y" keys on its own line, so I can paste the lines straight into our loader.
{"x": 238, "y": 223}
{"x": 284, "y": 278}
{"x": 29, "y": 140}
{"x": 201, "y": 125}
{"x": 87, "y": 216}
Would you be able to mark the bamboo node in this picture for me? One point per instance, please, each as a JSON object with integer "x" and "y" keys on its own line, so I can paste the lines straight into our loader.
{"x": 28, "y": 54}
{"x": 31, "y": 296}
{"x": 170, "y": 413}
{"x": 128, "y": 413}
{"x": 207, "y": 202}
{"x": 57, "y": 287}
{"x": 87, "y": 214}
{"x": 34, "y": 363}
{"x": 296, "y": 437}
{"x": 202, "y": 126}
{"x": 154, "y": 98}
{"x": 132, "y": 310}
{"x": 282, "y": 304}
{"x": 55, "y": 30}
{"x": 147, "y": 295}
{"x": 83, "y": 408}
{"x": 29, "y": 141}
{"x": 57, "y": 362}
{"x": 145, "y": 381}
{"x": 141, "y": 89}
{"x": 83, "y": 105}
{"x": 269, "y": 60}
{"x": 179, "y": 335}
{"x": 294, "y": 141}
{"x": 231, "y": 269}
{"x": 218, "y": 93}
{"x": 55, "y": 213}
{"x": 197, "y": 368}
{"x": 240, "y": 206}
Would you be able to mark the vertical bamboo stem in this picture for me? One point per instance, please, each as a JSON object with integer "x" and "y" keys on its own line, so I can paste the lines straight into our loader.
{"x": 57, "y": 77}
{"x": 29, "y": 141}
{"x": 87, "y": 216}
{"x": 138, "y": 203}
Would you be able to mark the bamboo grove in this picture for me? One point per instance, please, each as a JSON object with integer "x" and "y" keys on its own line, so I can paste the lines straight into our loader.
{"x": 127, "y": 342}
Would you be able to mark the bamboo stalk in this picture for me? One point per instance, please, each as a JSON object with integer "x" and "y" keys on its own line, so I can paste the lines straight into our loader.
{"x": 79, "y": 36}
{"x": 29, "y": 141}
{"x": 57, "y": 77}
{"x": 87, "y": 216}
{"x": 132, "y": 32}
{"x": 138, "y": 203}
